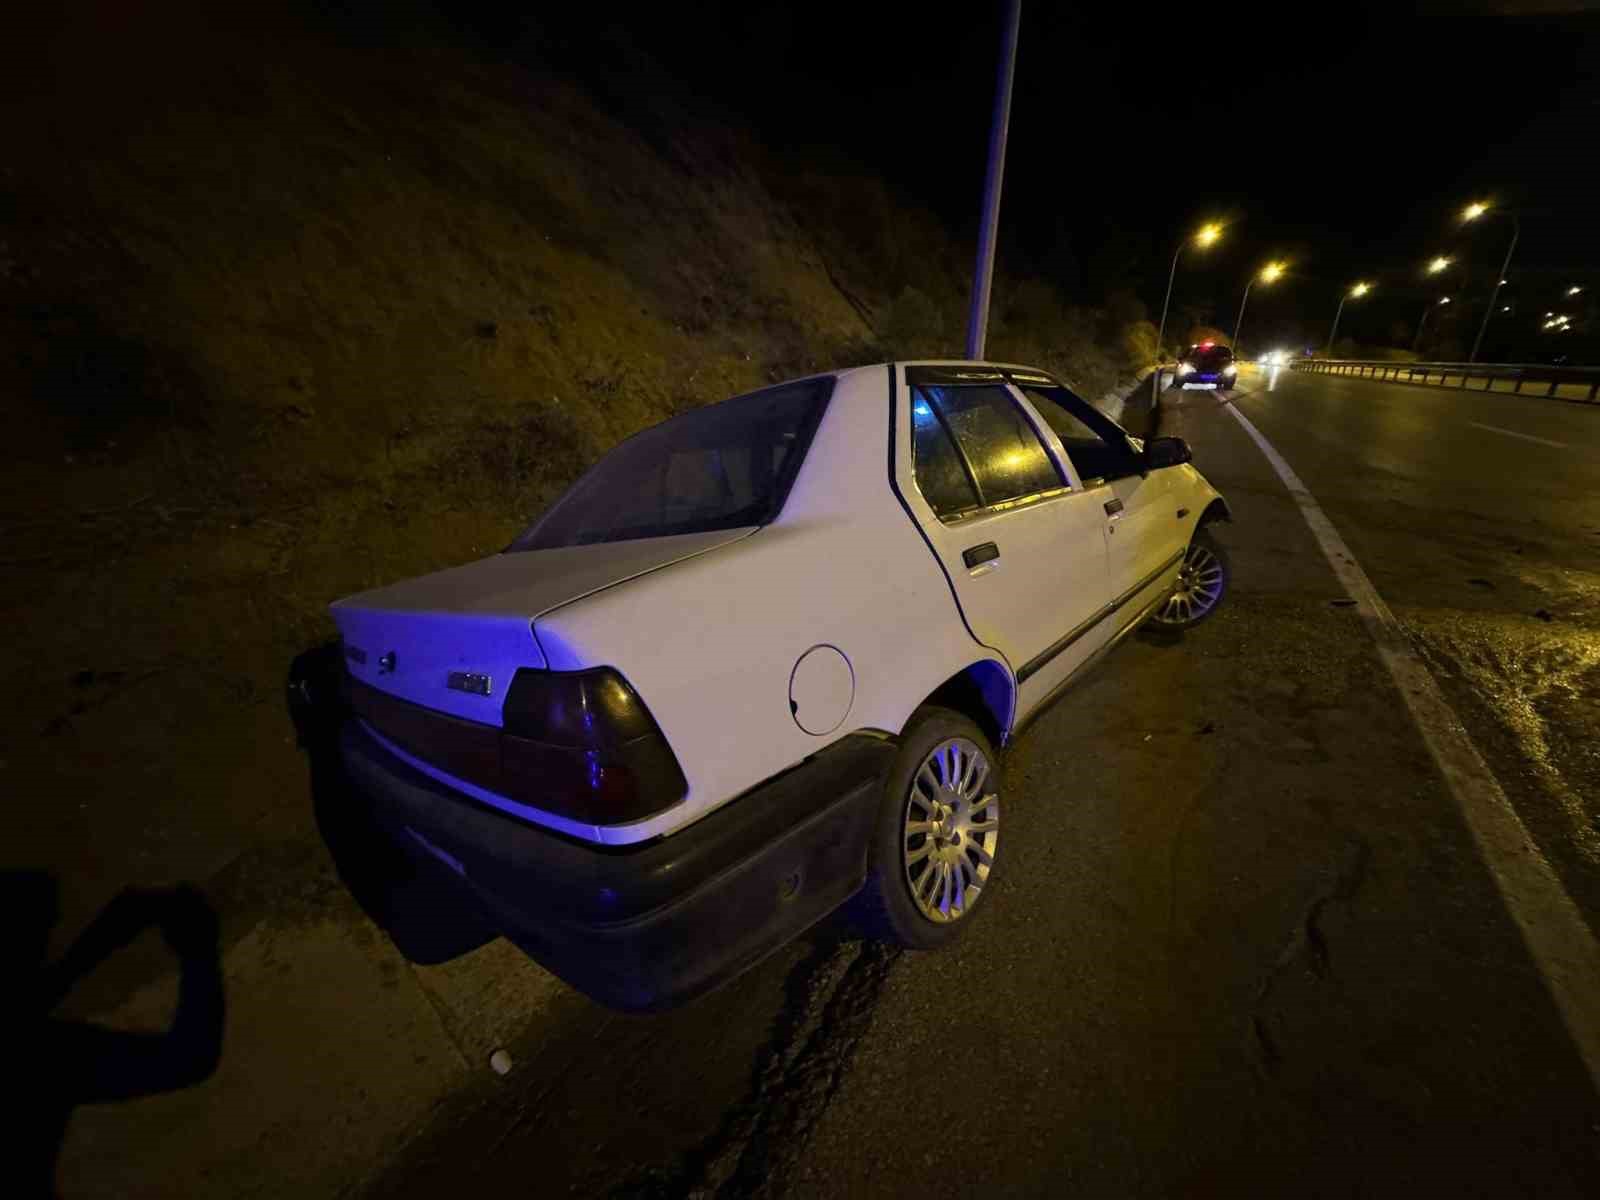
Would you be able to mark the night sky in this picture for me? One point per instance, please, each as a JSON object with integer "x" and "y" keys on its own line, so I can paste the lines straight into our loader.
{"x": 1344, "y": 139}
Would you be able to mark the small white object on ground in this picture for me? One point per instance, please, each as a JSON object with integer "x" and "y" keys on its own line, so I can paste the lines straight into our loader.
{"x": 501, "y": 1062}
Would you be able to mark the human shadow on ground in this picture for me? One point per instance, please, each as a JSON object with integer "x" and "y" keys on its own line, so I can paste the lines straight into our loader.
{"x": 65, "y": 1063}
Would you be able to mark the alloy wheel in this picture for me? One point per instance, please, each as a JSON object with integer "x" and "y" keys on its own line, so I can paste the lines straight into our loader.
{"x": 1200, "y": 584}
{"x": 952, "y": 827}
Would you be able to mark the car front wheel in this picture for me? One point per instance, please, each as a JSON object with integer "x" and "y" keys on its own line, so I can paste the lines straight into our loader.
{"x": 1202, "y": 583}
{"x": 937, "y": 836}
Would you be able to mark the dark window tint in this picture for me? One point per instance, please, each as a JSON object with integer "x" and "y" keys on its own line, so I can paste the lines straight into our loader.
{"x": 941, "y": 478}
{"x": 1006, "y": 456}
{"x": 1212, "y": 359}
{"x": 721, "y": 467}
{"x": 1097, "y": 445}
{"x": 1069, "y": 427}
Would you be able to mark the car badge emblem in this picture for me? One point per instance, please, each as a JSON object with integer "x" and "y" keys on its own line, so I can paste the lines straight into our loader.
{"x": 386, "y": 663}
{"x": 470, "y": 682}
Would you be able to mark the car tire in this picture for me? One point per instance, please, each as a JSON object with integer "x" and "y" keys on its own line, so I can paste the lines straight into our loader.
{"x": 1203, "y": 584}
{"x": 962, "y": 846}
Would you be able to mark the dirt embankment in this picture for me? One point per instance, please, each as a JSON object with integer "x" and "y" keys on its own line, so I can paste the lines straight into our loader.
{"x": 282, "y": 329}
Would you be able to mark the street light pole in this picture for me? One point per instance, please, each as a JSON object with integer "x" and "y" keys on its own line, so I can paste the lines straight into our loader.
{"x": 1205, "y": 237}
{"x": 1268, "y": 274}
{"x": 1161, "y": 333}
{"x": 1516, "y": 232}
{"x": 989, "y": 227}
{"x": 1240, "y": 321}
{"x": 1337, "y": 313}
{"x": 1355, "y": 292}
{"x": 1422, "y": 324}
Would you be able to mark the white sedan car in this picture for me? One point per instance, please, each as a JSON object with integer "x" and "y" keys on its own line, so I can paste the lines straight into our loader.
{"x": 759, "y": 660}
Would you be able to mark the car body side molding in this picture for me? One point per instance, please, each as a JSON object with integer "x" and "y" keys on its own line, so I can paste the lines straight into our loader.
{"x": 1041, "y": 660}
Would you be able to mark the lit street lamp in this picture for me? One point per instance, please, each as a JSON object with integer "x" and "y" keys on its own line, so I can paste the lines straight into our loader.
{"x": 1204, "y": 237}
{"x": 1573, "y": 291}
{"x": 1355, "y": 293}
{"x": 1441, "y": 263}
{"x": 1270, "y": 273}
{"x": 1471, "y": 213}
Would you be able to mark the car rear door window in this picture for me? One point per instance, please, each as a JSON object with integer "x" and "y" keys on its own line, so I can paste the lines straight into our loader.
{"x": 1006, "y": 459}
{"x": 941, "y": 476}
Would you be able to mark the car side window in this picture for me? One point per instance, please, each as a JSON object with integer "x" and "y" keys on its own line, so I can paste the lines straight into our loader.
{"x": 941, "y": 476}
{"x": 1006, "y": 459}
{"x": 1097, "y": 446}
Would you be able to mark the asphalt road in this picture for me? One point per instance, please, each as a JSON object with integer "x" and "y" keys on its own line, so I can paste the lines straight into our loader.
{"x": 1243, "y": 942}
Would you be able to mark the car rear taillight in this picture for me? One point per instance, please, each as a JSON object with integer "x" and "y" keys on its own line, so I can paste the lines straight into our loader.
{"x": 583, "y": 745}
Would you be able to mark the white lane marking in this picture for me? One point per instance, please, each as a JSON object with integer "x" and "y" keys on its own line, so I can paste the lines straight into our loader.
{"x": 1527, "y": 437}
{"x": 1554, "y": 931}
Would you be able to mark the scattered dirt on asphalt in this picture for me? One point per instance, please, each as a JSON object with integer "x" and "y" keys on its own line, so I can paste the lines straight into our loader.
{"x": 832, "y": 995}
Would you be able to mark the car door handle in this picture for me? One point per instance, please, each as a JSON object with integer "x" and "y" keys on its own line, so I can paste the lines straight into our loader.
{"x": 976, "y": 556}
{"x": 1113, "y": 507}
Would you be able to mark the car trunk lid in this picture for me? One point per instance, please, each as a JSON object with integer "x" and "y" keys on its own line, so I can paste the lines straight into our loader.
{"x": 452, "y": 640}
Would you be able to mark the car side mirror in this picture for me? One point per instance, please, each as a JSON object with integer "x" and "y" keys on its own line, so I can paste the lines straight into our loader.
{"x": 1166, "y": 452}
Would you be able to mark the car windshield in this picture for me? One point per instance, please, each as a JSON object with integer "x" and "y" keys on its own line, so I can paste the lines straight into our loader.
{"x": 724, "y": 466}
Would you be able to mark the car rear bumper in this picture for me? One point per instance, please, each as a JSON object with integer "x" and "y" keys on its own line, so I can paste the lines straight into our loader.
{"x": 647, "y": 927}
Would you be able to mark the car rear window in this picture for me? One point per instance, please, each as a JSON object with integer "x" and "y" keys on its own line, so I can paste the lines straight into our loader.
{"x": 724, "y": 466}
{"x": 1213, "y": 359}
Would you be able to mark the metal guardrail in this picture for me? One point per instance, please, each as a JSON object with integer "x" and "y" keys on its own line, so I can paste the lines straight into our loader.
{"x": 1439, "y": 373}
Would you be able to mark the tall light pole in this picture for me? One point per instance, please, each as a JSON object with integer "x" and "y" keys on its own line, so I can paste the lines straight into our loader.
{"x": 989, "y": 226}
{"x": 1437, "y": 265}
{"x": 1471, "y": 213}
{"x": 1354, "y": 293}
{"x": 1417, "y": 341}
{"x": 1268, "y": 274}
{"x": 1204, "y": 237}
